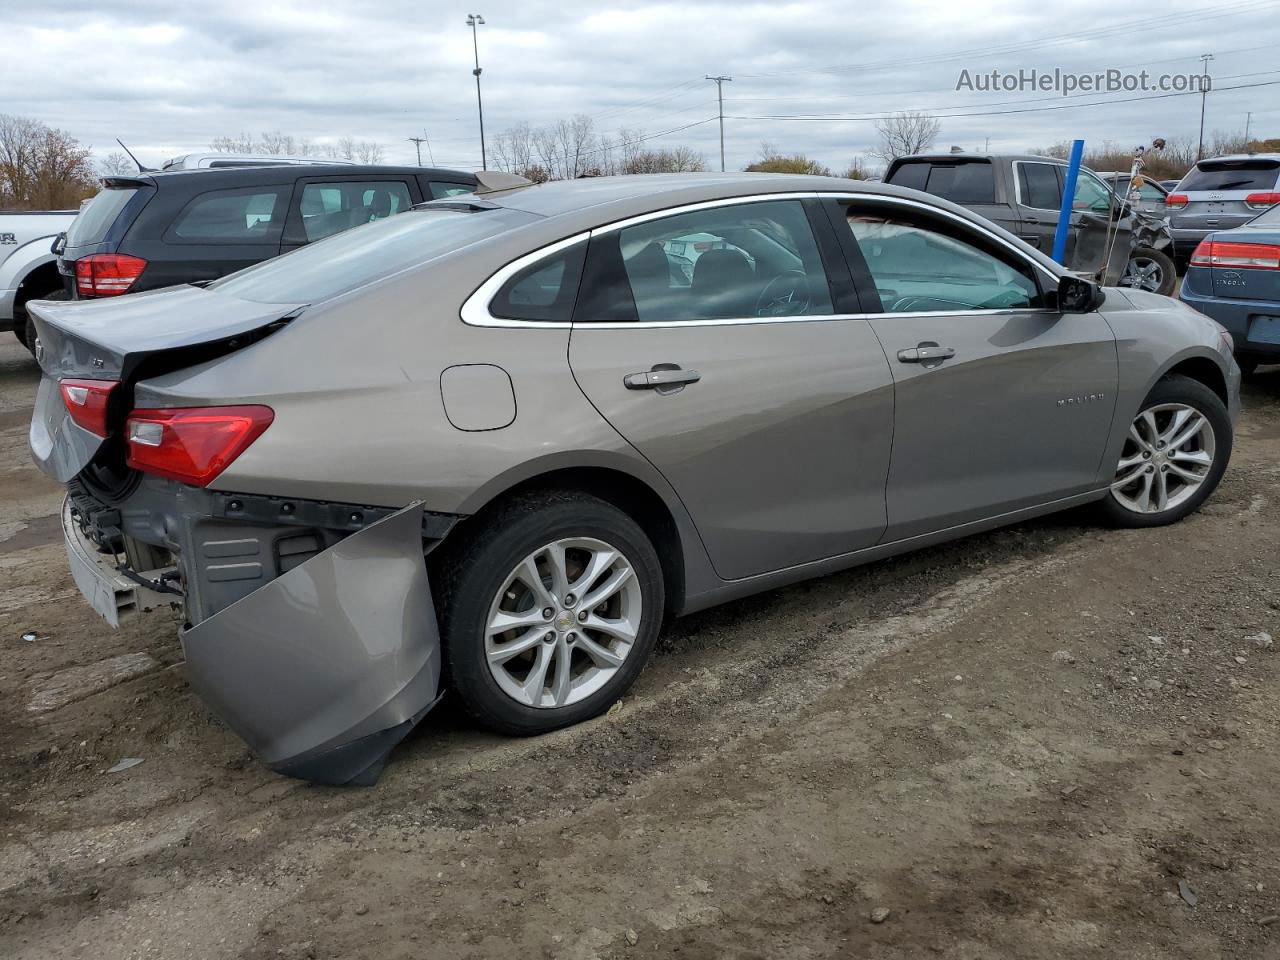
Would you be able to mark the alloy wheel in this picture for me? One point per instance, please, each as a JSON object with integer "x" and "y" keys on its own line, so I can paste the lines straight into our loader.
{"x": 1167, "y": 456}
{"x": 1143, "y": 273}
{"x": 563, "y": 622}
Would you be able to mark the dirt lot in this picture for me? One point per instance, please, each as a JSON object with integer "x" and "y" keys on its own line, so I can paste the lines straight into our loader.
{"x": 1018, "y": 745}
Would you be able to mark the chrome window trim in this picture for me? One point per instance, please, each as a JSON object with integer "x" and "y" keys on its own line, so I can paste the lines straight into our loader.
{"x": 475, "y": 309}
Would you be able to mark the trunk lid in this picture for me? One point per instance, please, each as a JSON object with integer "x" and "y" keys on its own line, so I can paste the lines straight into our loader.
{"x": 1241, "y": 283}
{"x": 123, "y": 339}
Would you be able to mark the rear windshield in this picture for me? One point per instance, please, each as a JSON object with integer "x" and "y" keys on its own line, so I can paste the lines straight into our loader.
{"x": 94, "y": 221}
{"x": 965, "y": 182}
{"x": 355, "y": 257}
{"x": 1232, "y": 175}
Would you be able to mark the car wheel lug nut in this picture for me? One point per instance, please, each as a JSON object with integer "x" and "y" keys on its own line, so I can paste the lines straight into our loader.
{"x": 570, "y": 600}
{"x": 549, "y": 638}
{"x": 571, "y": 638}
{"x": 582, "y": 616}
{"x": 548, "y": 613}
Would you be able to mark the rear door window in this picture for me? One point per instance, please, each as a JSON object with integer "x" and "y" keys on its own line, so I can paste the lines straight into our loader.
{"x": 736, "y": 262}
{"x": 247, "y": 216}
{"x": 1232, "y": 175}
{"x": 329, "y": 208}
{"x": 1039, "y": 186}
{"x": 96, "y": 218}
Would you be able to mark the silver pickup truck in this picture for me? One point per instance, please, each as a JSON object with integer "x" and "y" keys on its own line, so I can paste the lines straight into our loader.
{"x": 28, "y": 266}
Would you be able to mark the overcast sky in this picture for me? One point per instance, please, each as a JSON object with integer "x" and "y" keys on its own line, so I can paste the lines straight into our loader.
{"x": 167, "y": 77}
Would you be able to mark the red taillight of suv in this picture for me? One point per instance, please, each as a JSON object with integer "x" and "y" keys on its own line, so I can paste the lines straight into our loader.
{"x": 1238, "y": 256}
{"x": 1176, "y": 200}
{"x": 86, "y": 401}
{"x": 192, "y": 444}
{"x": 1261, "y": 201}
{"x": 107, "y": 274}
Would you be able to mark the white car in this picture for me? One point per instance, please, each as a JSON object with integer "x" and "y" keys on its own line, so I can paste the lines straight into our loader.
{"x": 28, "y": 265}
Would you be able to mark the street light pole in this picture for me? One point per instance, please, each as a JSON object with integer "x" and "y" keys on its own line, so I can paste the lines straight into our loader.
{"x": 1204, "y": 92}
{"x": 473, "y": 20}
{"x": 720, "y": 82}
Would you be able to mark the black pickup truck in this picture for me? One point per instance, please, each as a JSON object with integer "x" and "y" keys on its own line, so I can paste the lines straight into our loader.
{"x": 1109, "y": 238}
{"x": 159, "y": 229}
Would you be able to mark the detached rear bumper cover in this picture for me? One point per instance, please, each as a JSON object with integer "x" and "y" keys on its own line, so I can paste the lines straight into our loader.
{"x": 326, "y": 668}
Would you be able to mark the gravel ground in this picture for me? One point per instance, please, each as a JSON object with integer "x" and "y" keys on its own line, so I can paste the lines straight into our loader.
{"x": 1050, "y": 741}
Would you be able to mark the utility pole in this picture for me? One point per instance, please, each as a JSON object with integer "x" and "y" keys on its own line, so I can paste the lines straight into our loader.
{"x": 473, "y": 20}
{"x": 417, "y": 143}
{"x": 720, "y": 82}
{"x": 1204, "y": 92}
{"x": 1248, "y": 120}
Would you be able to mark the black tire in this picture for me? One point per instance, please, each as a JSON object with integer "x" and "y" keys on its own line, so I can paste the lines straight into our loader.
{"x": 1193, "y": 393}
{"x": 468, "y": 574}
{"x": 1168, "y": 272}
{"x": 29, "y": 326}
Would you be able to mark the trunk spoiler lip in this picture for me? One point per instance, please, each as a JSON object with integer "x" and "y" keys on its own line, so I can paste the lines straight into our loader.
{"x": 107, "y": 339}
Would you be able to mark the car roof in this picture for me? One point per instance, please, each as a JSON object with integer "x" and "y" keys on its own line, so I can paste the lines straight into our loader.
{"x": 982, "y": 157}
{"x": 1236, "y": 157}
{"x": 205, "y": 177}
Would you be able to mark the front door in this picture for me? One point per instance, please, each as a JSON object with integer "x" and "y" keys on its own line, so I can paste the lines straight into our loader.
{"x": 715, "y": 341}
{"x": 1001, "y": 401}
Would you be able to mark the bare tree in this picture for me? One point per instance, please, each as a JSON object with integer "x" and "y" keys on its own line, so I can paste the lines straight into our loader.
{"x": 513, "y": 149}
{"x": 42, "y": 168}
{"x": 116, "y": 164}
{"x": 858, "y": 169}
{"x": 905, "y": 133}
{"x": 277, "y": 143}
{"x": 244, "y": 143}
{"x": 773, "y": 160}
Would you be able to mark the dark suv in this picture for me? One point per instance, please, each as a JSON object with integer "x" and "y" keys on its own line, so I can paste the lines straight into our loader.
{"x": 159, "y": 229}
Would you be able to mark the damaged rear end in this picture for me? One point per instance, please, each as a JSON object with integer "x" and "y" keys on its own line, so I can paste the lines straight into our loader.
{"x": 308, "y": 625}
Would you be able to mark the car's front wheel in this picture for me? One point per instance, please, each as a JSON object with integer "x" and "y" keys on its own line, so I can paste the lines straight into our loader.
{"x": 1150, "y": 270}
{"x": 1174, "y": 455}
{"x": 549, "y": 612}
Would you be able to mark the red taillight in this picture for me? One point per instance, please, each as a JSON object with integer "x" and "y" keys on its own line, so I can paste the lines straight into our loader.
{"x": 1261, "y": 201}
{"x": 1237, "y": 256}
{"x": 86, "y": 402}
{"x": 1176, "y": 200}
{"x": 107, "y": 274}
{"x": 192, "y": 444}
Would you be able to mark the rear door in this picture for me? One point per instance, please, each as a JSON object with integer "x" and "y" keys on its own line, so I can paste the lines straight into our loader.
{"x": 720, "y": 340}
{"x": 324, "y": 206}
{"x": 1001, "y": 401}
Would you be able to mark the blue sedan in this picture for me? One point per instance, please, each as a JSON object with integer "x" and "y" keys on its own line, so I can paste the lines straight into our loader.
{"x": 1234, "y": 277}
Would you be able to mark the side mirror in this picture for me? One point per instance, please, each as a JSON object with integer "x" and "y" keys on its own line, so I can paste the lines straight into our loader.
{"x": 1078, "y": 295}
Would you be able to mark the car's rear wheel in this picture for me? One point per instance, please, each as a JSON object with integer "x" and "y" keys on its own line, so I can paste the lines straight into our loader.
{"x": 1150, "y": 270}
{"x": 549, "y": 612}
{"x": 1174, "y": 455}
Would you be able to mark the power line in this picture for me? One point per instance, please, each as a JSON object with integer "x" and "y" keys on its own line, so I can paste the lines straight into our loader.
{"x": 997, "y": 113}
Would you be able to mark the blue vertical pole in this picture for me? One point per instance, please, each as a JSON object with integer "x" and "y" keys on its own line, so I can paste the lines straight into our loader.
{"x": 1068, "y": 199}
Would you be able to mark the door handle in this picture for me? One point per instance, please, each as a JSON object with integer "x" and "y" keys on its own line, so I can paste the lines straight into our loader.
{"x": 661, "y": 376}
{"x": 926, "y": 353}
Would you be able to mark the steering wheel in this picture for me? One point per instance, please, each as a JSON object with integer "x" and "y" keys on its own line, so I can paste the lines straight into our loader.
{"x": 786, "y": 295}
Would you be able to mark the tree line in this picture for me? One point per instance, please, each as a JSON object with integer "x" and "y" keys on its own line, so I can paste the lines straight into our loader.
{"x": 42, "y": 168}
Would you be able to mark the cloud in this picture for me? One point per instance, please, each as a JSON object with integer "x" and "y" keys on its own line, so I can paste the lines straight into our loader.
{"x": 167, "y": 78}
